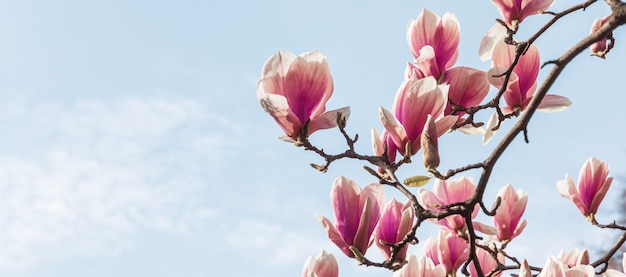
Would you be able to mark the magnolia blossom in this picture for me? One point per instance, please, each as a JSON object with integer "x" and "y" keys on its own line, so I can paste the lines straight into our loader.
{"x": 424, "y": 267}
{"x": 523, "y": 81}
{"x": 414, "y": 101}
{"x": 599, "y": 48}
{"x": 356, "y": 214}
{"x": 514, "y": 11}
{"x": 468, "y": 88}
{"x": 294, "y": 90}
{"x": 447, "y": 192}
{"x": 509, "y": 213}
{"x": 592, "y": 187}
{"x": 448, "y": 250}
{"x": 396, "y": 220}
{"x": 574, "y": 257}
{"x": 487, "y": 263}
{"x": 556, "y": 268}
{"x": 434, "y": 42}
{"x": 322, "y": 265}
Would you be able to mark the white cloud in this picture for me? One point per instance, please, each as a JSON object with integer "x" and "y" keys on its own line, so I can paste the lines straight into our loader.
{"x": 99, "y": 173}
{"x": 272, "y": 244}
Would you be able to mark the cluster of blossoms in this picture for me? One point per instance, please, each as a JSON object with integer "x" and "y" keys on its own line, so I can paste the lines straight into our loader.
{"x": 435, "y": 97}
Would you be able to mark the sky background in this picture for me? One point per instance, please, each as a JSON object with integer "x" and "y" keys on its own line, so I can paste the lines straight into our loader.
{"x": 133, "y": 143}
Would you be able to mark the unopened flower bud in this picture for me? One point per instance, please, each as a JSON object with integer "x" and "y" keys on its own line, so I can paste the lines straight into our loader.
{"x": 430, "y": 149}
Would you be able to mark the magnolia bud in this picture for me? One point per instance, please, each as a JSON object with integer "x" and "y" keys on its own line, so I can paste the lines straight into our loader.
{"x": 428, "y": 141}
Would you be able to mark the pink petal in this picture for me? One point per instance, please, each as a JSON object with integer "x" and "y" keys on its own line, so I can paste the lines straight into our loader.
{"x": 495, "y": 34}
{"x": 328, "y": 119}
{"x": 552, "y": 103}
{"x": 308, "y": 85}
{"x": 468, "y": 86}
{"x": 489, "y": 132}
{"x": 394, "y": 128}
{"x": 335, "y": 236}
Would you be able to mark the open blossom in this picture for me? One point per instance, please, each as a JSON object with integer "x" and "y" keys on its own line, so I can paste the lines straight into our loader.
{"x": 396, "y": 220}
{"x": 356, "y": 214}
{"x": 434, "y": 42}
{"x": 322, "y": 265}
{"x": 414, "y": 101}
{"x": 468, "y": 88}
{"x": 508, "y": 215}
{"x": 446, "y": 192}
{"x": 294, "y": 90}
{"x": 556, "y": 268}
{"x": 593, "y": 183}
{"x": 448, "y": 250}
{"x": 599, "y": 48}
{"x": 523, "y": 81}
{"x": 424, "y": 267}
{"x": 515, "y": 11}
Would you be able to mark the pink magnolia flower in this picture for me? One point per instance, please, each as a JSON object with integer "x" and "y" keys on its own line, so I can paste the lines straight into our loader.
{"x": 294, "y": 90}
{"x": 322, "y": 265}
{"x": 395, "y": 222}
{"x": 434, "y": 42}
{"x": 414, "y": 101}
{"x": 448, "y": 250}
{"x": 487, "y": 263}
{"x": 592, "y": 187}
{"x": 447, "y": 192}
{"x": 574, "y": 257}
{"x": 599, "y": 48}
{"x": 556, "y": 268}
{"x": 468, "y": 88}
{"x": 356, "y": 214}
{"x": 523, "y": 81}
{"x": 509, "y": 213}
{"x": 423, "y": 267}
{"x": 515, "y": 11}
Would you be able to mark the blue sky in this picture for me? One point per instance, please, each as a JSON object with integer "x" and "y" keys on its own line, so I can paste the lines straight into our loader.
{"x": 133, "y": 143}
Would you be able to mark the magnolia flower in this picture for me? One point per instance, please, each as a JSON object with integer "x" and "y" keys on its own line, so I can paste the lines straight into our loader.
{"x": 414, "y": 101}
{"x": 487, "y": 263}
{"x": 523, "y": 81}
{"x": 574, "y": 257}
{"x": 509, "y": 213}
{"x": 396, "y": 220}
{"x": 599, "y": 48}
{"x": 447, "y": 192}
{"x": 515, "y": 11}
{"x": 294, "y": 90}
{"x": 592, "y": 187}
{"x": 468, "y": 88}
{"x": 556, "y": 268}
{"x": 434, "y": 42}
{"x": 423, "y": 267}
{"x": 356, "y": 214}
{"x": 322, "y": 265}
{"x": 448, "y": 250}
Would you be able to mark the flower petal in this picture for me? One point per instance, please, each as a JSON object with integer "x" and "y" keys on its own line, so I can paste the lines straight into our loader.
{"x": 552, "y": 103}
